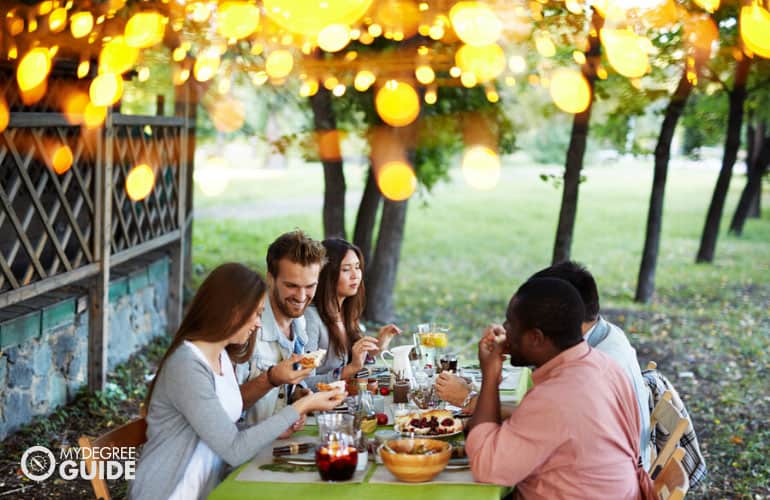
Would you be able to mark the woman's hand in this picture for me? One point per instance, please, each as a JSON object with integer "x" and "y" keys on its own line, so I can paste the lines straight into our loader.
{"x": 296, "y": 426}
{"x": 319, "y": 401}
{"x": 452, "y": 388}
{"x": 385, "y": 335}
{"x": 361, "y": 347}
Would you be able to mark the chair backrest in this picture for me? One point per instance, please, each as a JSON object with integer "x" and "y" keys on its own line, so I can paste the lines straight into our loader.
{"x": 667, "y": 417}
{"x": 672, "y": 483}
{"x": 133, "y": 434}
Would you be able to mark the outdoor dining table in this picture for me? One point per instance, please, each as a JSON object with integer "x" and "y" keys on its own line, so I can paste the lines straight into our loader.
{"x": 233, "y": 488}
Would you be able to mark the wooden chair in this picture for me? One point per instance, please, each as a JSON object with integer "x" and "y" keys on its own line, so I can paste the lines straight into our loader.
{"x": 133, "y": 434}
{"x": 672, "y": 483}
{"x": 669, "y": 418}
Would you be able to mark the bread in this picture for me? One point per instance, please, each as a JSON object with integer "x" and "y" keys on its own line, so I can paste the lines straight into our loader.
{"x": 313, "y": 359}
{"x": 339, "y": 384}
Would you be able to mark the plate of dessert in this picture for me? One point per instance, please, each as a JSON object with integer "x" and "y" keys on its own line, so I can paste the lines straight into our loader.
{"x": 429, "y": 423}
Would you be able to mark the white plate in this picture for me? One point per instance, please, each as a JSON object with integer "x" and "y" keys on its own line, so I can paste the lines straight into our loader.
{"x": 430, "y": 436}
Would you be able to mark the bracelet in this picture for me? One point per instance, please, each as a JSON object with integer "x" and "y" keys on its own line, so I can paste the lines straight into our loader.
{"x": 472, "y": 394}
{"x": 269, "y": 381}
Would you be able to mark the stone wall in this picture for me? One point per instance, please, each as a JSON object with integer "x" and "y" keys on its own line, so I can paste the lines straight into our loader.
{"x": 44, "y": 354}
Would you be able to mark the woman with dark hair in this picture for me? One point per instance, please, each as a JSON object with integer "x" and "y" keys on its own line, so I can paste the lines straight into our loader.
{"x": 333, "y": 319}
{"x": 194, "y": 400}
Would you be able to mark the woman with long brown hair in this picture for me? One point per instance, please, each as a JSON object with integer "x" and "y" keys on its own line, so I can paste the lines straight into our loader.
{"x": 333, "y": 321}
{"x": 194, "y": 401}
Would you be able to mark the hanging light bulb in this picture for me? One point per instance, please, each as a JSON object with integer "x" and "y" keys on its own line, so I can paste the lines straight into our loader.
{"x": 33, "y": 68}
{"x": 755, "y": 29}
{"x": 570, "y": 90}
{"x": 81, "y": 24}
{"x": 625, "y": 52}
{"x": 481, "y": 168}
{"x": 94, "y": 115}
{"x": 145, "y": 29}
{"x": 485, "y": 63}
{"x": 708, "y": 5}
{"x": 334, "y": 37}
{"x": 139, "y": 182}
{"x": 117, "y": 56}
{"x": 396, "y": 180}
{"x": 237, "y": 19}
{"x": 475, "y": 23}
{"x": 424, "y": 74}
{"x": 363, "y": 80}
{"x": 5, "y": 114}
{"x": 57, "y": 20}
{"x": 206, "y": 65}
{"x": 106, "y": 89}
{"x": 60, "y": 160}
{"x": 279, "y": 64}
{"x": 397, "y": 103}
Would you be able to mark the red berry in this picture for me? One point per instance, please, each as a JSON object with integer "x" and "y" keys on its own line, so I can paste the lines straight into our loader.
{"x": 384, "y": 391}
{"x": 382, "y": 419}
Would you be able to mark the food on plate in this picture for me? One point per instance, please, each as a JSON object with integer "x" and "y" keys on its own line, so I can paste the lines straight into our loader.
{"x": 332, "y": 386}
{"x": 433, "y": 423}
{"x": 313, "y": 359}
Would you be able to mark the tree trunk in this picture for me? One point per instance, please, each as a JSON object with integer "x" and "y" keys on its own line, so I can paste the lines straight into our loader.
{"x": 753, "y": 189}
{"x": 755, "y": 207}
{"x": 366, "y": 217}
{"x": 737, "y": 96}
{"x": 331, "y": 158}
{"x": 646, "y": 282}
{"x": 576, "y": 151}
{"x": 382, "y": 275}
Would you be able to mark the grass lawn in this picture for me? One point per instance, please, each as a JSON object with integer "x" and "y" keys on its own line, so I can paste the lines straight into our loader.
{"x": 465, "y": 252}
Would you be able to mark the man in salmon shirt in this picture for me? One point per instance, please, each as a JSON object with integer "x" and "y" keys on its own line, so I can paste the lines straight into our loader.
{"x": 576, "y": 432}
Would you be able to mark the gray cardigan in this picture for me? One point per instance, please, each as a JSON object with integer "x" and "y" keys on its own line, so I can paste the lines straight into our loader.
{"x": 184, "y": 409}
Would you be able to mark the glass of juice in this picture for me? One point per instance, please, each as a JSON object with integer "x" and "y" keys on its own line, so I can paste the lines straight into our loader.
{"x": 336, "y": 457}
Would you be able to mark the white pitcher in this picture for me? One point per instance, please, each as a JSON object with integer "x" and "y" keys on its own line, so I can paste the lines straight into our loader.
{"x": 401, "y": 364}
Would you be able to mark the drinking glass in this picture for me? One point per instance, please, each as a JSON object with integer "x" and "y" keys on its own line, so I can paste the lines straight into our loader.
{"x": 336, "y": 455}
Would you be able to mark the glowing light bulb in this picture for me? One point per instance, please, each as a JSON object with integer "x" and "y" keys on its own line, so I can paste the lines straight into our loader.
{"x": 145, "y": 29}
{"x": 206, "y": 65}
{"x": 33, "y": 68}
{"x": 57, "y": 20}
{"x": 237, "y": 19}
{"x": 83, "y": 67}
{"x": 94, "y": 115}
{"x": 397, "y": 181}
{"x": 755, "y": 29}
{"x": 481, "y": 168}
{"x": 486, "y": 63}
{"x": 61, "y": 159}
{"x": 397, "y": 103}
{"x": 475, "y": 23}
{"x": 139, "y": 182}
{"x": 279, "y": 64}
{"x": 625, "y": 51}
{"x": 570, "y": 91}
{"x": 430, "y": 96}
{"x": 334, "y": 37}
{"x": 81, "y": 24}
{"x": 117, "y": 56}
{"x": 5, "y": 114}
{"x": 106, "y": 89}
{"x": 363, "y": 80}
{"x": 308, "y": 88}
{"x": 424, "y": 74}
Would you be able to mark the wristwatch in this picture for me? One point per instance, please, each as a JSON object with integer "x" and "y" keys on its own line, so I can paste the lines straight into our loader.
{"x": 472, "y": 394}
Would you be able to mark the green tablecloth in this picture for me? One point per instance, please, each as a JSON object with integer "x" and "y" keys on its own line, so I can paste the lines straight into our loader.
{"x": 231, "y": 489}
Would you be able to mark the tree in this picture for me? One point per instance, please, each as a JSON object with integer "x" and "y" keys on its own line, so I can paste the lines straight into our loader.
{"x": 736, "y": 99}
{"x": 646, "y": 281}
{"x": 576, "y": 150}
